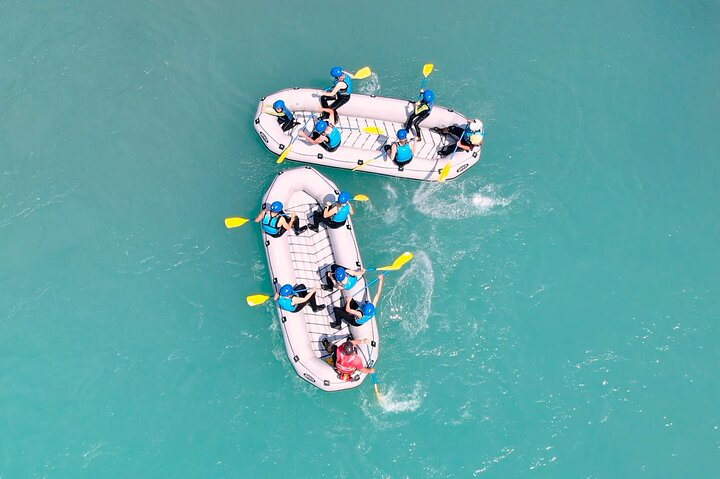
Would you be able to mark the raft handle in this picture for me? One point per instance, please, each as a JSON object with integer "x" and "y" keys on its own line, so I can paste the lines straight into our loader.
{"x": 296, "y": 358}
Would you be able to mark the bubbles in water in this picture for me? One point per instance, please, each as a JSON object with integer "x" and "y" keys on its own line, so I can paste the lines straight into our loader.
{"x": 458, "y": 200}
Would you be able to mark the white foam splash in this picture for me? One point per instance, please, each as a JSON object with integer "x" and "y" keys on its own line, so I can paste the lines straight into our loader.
{"x": 393, "y": 401}
{"x": 458, "y": 200}
{"x": 416, "y": 283}
{"x": 369, "y": 86}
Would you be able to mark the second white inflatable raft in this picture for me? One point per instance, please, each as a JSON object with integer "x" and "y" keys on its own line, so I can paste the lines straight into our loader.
{"x": 358, "y": 146}
{"x": 304, "y": 259}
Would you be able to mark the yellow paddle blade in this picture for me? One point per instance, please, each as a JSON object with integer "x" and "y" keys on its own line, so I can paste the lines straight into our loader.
{"x": 284, "y": 154}
{"x": 445, "y": 172}
{"x": 427, "y": 69}
{"x": 374, "y": 130}
{"x": 363, "y": 73}
{"x": 377, "y": 393}
{"x": 255, "y": 299}
{"x": 361, "y": 197}
{"x": 364, "y": 164}
{"x": 235, "y": 222}
{"x": 398, "y": 263}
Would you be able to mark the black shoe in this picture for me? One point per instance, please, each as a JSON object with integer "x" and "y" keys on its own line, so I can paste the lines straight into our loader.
{"x": 435, "y": 129}
{"x": 325, "y": 115}
{"x": 314, "y": 228}
{"x": 336, "y": 325}
{"x": 325, "y": 344}
{"x": 300, "y": 230}
{"x": 318, "y": 308}
{"x": 325, "y": 287}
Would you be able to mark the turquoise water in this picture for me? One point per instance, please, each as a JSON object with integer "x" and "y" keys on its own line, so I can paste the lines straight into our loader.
{"x": 560, "y": 318}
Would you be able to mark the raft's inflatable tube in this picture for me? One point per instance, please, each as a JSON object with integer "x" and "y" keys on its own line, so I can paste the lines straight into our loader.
{"x": 304, "y": 259}
{"x": 358, "y": 147}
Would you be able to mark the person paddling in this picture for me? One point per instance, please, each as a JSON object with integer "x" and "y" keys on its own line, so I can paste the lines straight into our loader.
{"x": 339, "y": 277}
{"x": 421, "y": 110}
{"x": 468, "y": 137}
{"x": 401, "y": 152}
{"x": 346, "y": 359}
{"x": 325, "y": 135}
{"x": 275, "y": 222}
{"x": 333, "y": 215}
{"x": 294, "y": 299}
{"x": 357, "y": 314}
{"x": 340, "y": 94}
{"x": 285, "y": 117}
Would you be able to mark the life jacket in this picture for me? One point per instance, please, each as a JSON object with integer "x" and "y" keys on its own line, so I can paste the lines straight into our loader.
{"x": 342, "y": 214}
{"x": 348, "y": 82}
{"x": 350, "y": 282}
{"x": 334, "y": 137}
{"x": 270, "y": 224}
{"x": 288, "y": 114}
{"x": 344, "y": 364}
{"x": 404, "y": 153}
{"x": 286, "y": 303}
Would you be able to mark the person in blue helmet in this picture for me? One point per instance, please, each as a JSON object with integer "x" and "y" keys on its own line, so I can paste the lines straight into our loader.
{"x": 341, "y": 277}
{"x": 401, "y": 152}
{"x": 275, "y": 222}
{"x": 294, "y": 299}
{"x": 357, "y": 314}
{"x": 421, "y": 110}
{"x": 325, "y": 135}
{"x": 285, "y": 117}
{"x": 339, "y": 93}
{"x": 466, "y": 137}
{"x": 334, "y": 215}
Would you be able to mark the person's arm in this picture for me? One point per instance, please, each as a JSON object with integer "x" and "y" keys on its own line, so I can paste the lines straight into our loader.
{"x": 358, "y": 272}
{"x": 354, "y": 312}
{"x": 317, "y": 140}
{"x": 260, "y": 216}
{"x": 285, "y": 223}
{"x": 463, "y": 146}
{"x": 330, "y": 211}
{"x": 333, "y": 92}
{"x": 366, "y": 370}
{"x": 393, "y": 151}
{"x": 352, "y": 210}
{"x": 412, "y": 147}
{"x": 276, "y": 296}
{"x": 381, "y": 280}
{"x": 356, "y": 342}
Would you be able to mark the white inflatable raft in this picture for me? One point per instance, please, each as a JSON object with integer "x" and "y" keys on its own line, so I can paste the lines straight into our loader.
{"x": 305, "y": 259}
{"x": 358, "y": 147}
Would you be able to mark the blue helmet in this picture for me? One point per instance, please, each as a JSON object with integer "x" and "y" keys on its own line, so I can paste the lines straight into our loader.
{"x": 368, "y": 309}
{"x": 276, "y": 207}
{"x": 402, "y": 134}
{"x": 336, "y": 72}
{"x": 286, "y": 290}
{"x": 343, "y": 197}
{"x": 340, "y": 274}
{"x": 279, "y": 105}
{"x": 429, "y": 96}
{"x": 321, "y": 126}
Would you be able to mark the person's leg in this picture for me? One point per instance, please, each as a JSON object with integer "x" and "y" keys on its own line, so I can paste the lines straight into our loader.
{"x": 456, "y": 131}
{"x": 341, "y": 100}
{"x": 416, "y": 123}
{"x": 409, "y": 121}
{"x": 446, "y": 150}
{"x": 329, "y": 285}
{"x": 295, "y": 223}
{"x": 316, "y": 220}
{"x": 313, "y": 303}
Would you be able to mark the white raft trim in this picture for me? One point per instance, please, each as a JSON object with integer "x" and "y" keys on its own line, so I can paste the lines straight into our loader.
{"x": 301, "y": 259}
{"x": 357, "y": 146}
